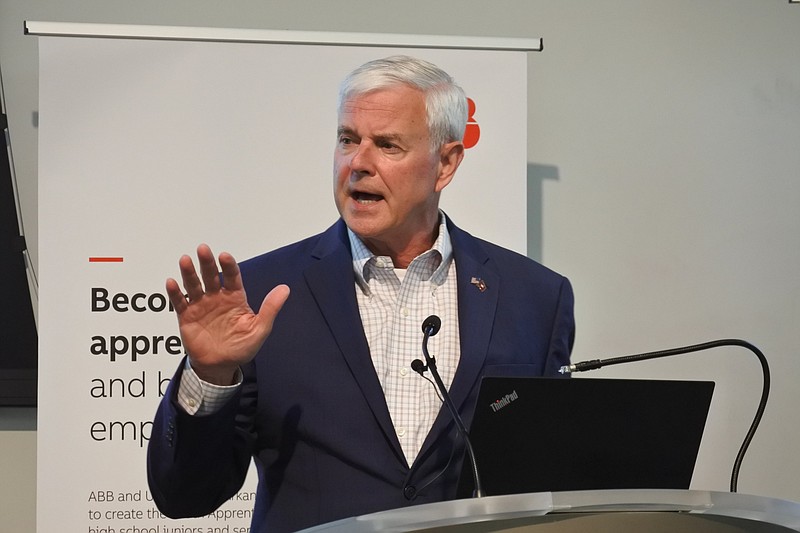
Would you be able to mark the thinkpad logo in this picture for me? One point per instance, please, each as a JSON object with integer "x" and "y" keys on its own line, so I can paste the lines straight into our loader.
{"x": 502, "y": 402}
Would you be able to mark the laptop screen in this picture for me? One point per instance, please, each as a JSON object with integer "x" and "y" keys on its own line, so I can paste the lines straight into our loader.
{"x": 551, "y": 434}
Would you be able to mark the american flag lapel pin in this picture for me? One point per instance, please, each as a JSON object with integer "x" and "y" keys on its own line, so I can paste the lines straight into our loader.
{"x": 478, "y": 282}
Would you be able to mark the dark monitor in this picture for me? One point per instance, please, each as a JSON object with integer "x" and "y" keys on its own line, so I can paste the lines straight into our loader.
{"x": 550, "y": 434}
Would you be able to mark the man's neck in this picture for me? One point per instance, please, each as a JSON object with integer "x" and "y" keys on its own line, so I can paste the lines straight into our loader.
{"x": 402, "y": 252}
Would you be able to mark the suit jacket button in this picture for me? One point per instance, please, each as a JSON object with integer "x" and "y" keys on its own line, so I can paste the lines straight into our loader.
{"x": 410, "y": 492}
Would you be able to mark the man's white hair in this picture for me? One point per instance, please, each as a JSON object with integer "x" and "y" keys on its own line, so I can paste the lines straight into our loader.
{"x": 445, "y": 101}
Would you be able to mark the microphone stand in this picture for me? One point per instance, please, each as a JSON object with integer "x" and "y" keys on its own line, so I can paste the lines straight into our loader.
{"x": 762, "y": 404}
{"x": 431, "y": 329}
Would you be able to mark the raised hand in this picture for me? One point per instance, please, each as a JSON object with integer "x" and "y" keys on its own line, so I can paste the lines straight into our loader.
{"x": 220, "y": 331}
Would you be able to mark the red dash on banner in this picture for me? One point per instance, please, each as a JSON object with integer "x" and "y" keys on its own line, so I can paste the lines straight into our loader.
{"x": 106, "y": 259}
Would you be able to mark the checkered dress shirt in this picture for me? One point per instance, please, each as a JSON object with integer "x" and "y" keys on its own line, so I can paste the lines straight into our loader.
{"x": 393, "y": 304}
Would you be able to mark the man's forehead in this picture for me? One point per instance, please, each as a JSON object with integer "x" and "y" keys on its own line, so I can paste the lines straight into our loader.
{"x": 384, "y": 97}
{"x": 383, "y": 106}
{"x": 391, "y": 88}
{"x": 367, "y": 104}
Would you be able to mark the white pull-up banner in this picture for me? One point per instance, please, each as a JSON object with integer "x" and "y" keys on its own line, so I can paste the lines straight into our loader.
{"x": 154, "y": 141}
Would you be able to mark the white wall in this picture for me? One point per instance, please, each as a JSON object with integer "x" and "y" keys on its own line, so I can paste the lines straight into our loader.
{"x": 663, "y": 149}
{"x": 18, "y": 468}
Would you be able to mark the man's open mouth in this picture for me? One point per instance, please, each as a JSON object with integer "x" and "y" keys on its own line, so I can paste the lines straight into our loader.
{"x": 366, "y": 198}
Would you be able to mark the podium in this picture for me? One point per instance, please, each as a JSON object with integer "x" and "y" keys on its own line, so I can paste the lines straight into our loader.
{"x": 613, "y": 511}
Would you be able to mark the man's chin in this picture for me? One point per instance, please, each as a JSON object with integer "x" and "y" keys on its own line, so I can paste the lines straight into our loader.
{"x": 364, "y": 229}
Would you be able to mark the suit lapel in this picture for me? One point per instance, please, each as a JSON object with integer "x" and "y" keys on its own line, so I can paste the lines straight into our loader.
{"x": 331, "y": 281}
{"x": 476, "y": 311}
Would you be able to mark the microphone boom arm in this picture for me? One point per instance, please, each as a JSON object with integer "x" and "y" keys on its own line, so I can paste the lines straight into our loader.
{"x": 431, "y": 363}
{"x": 762, "y": 404}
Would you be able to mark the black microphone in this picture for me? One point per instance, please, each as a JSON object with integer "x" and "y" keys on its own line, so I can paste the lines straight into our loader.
{"x": 430, "y": 327}
{"x": 418, "y": 367}
{"x": 762, "y": 404}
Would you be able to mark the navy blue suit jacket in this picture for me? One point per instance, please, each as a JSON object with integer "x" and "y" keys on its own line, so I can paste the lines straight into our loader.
{"x": 311, "y": 411}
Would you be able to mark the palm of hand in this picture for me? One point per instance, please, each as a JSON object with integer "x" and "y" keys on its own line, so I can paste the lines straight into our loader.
{"x": 220, "y": 328}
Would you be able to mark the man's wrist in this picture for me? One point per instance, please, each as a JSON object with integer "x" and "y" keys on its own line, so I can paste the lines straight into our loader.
{"x": 198, "y": 397}
{"x": 220, "y": 376}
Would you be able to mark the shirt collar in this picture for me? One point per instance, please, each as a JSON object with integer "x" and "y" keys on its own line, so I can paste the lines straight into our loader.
{"x": 439, "y": 257}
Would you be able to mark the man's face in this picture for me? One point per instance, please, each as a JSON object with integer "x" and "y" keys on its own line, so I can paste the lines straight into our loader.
{"x": 386, "y": 177}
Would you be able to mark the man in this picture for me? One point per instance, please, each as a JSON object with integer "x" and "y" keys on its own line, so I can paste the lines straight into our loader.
{"x": 316, "y": 387}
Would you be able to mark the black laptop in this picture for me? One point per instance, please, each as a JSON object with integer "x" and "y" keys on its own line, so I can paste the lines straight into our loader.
{"x": 551, "y": 434}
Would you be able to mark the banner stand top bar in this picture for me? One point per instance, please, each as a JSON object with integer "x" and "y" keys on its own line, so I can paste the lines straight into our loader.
{"x": 188, "y": 33}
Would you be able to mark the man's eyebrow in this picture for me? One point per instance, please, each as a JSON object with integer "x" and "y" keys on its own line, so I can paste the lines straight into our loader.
{"x": 389, "y": 136}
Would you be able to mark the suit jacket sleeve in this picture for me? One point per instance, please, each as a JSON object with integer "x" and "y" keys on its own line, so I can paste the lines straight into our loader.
{"x": 563, "y": 331}
{"x": 196, "y": 463}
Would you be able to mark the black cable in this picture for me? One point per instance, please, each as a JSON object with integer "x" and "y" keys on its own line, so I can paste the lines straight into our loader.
{"x": 762, "y": 404}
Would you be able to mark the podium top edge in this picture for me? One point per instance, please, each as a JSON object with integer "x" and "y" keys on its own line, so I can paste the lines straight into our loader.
{"x": 534, "y": 505}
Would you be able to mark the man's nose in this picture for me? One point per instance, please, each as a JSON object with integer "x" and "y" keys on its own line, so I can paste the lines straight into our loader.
{"x": 363, "y": 159}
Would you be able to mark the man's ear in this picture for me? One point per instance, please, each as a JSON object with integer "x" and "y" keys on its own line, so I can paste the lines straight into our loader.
{"x": 450, "y": 157}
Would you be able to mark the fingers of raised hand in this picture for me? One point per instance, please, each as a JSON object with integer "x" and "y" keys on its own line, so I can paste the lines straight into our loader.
{"x": 191, "y": 282}
{"x": 208, "y": 270}
{"x": 230, "y": 272}
{"x": 207, "y": 282}
{"x": 271, "y": 306}
{"x": 274, "y": 300}
{"x": 176, "y": 297}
